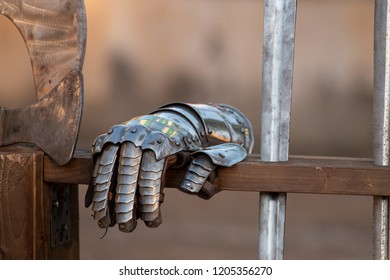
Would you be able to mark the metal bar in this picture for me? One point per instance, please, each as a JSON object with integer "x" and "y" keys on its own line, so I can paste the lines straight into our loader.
{"x": 278, "y": 56}
{"x": 272, "y": 225}
{"x": 381, "y": 227}
{"x": 381, "y": 121}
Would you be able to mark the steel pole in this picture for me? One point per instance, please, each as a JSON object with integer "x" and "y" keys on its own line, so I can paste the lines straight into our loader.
{"x": 381, "y": 121}
{"x": 278, "y": 58}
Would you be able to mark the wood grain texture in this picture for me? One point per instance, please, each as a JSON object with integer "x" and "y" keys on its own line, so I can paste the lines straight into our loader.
{"x": 18, "y": 183}
{"x": 315, "y": 175}
{"x": 25, "y": 208}
{"x": 309, "y": 175}
{"x": 77, "y": 171}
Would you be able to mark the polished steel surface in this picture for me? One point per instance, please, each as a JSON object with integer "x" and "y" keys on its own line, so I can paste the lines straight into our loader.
{"x": 215, "y": 123}
{"x": 131, "y": 159}
{"x": 381, "y": 121}
{"x": 278, "y": 57}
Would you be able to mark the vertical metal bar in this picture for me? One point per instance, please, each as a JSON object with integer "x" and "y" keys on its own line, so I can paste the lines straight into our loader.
{"x": 381, "y": 121}
{"x": 272, "y": 225}
{"x": 381, "y": 227}
{"x": 278, "y": 57}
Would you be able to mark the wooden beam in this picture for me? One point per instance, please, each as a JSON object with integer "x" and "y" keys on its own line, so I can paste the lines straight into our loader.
{"x": 26, "y": 209}
{"x": 315, "y": 175}
{"x": 77, "y": 171}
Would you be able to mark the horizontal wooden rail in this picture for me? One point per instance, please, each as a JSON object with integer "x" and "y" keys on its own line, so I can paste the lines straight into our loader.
{"x": 315, "y": 175}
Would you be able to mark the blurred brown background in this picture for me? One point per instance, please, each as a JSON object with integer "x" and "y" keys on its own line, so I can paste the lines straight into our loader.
{"x": 141, "y": 54}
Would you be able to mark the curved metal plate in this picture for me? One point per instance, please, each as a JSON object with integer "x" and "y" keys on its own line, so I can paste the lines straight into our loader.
{"x": 51, "y": 123}
{"x": 227, "y": 154}
{"x": 55, "y": 35}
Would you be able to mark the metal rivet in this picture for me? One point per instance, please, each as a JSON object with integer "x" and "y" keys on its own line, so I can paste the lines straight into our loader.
{"x": 133, "y": 130}
{"x": 159, "y": 141}
{"x": 188, "y": 184}
{"x": 221, "y": 155}
{"x": 209, "y": 131}
{"x": 189, "y": 140}
{"x": 110, "y": 131}
{"x": 202, "y": 134}
{"x": 239, "y": 121}
{"x": 56, "y": 204}
{"x": 242, "y": 129}
{"x": 194, "y": 139}
{"x": 65, "y": 227}
{"x": 177, "y": 143}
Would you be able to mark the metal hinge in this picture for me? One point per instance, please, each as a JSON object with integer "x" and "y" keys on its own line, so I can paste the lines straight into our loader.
{"x": 60, "y": 215}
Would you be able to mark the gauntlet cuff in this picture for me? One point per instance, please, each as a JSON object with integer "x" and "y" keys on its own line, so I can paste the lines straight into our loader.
{"x": 215, "y": 123}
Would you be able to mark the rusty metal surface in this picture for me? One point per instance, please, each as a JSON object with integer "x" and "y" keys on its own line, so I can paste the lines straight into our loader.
{"x": 54, "y": 32}
{"x": 52, "y": 123}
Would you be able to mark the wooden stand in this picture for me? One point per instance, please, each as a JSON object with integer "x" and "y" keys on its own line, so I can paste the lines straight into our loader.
{"x": 30, "y": 209}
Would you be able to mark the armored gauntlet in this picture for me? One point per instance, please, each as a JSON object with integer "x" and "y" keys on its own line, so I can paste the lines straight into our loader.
{"x": 131, "y": 159}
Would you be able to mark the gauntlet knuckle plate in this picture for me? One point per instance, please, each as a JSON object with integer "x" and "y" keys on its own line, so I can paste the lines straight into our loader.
{"x": 135, "y": 134}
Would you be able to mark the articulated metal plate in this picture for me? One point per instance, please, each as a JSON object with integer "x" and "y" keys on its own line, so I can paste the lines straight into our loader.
{"x": 215, "y": 123}
{"x": 227, "y": 154}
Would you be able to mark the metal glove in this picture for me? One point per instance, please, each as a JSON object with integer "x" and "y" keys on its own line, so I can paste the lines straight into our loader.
{"x": 131, "y": 159}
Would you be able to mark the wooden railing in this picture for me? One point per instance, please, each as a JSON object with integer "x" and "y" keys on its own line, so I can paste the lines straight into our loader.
{"x": 300, "y": 174}
{"x": 39, "y": 211}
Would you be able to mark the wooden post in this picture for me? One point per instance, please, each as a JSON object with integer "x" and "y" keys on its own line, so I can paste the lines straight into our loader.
{"x": 30, "y": 209}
